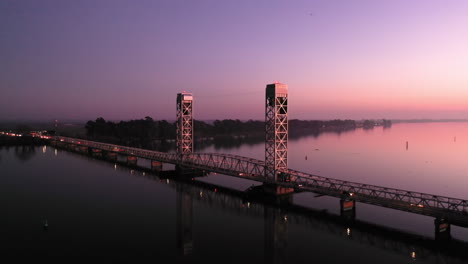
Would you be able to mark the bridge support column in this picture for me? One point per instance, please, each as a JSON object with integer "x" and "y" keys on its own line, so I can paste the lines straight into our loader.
{"x": 184, "y": 222}
{"x": 60, "y": 144}
{"x": 156, "y": 165}
{"x": 96, "y": 152}
{"x": 132, "y": 160}
{"x": 111, "y": 156}
{"x": 189, "y": 172}
{"x": 183, "y": 171}
{"x": 277, "y": 190}
{"x": 348, "y": 208}
{"x": 71, "y": 147}
{"x": 83, "y": 149}
{"x": 442, "y": 229}
{"x": 275, "y": 234}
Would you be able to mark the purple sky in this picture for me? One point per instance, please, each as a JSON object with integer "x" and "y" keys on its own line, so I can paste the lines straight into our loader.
{"x": 128, "y": 59}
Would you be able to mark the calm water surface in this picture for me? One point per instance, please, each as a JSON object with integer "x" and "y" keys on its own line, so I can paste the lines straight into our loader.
{"x": 96, "y": 209}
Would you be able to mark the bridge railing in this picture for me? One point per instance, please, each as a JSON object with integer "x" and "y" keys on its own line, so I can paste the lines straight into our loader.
{"x": 255, "y": 169}
{"x": 378, "y": 194}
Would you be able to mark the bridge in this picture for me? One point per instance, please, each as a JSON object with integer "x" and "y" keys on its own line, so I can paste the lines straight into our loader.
{"x": 276, "y": 177}
{"x": 278, "y": 217}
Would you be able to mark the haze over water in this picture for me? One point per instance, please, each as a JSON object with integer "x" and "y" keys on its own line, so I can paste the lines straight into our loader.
{"x": 94, "y": 208}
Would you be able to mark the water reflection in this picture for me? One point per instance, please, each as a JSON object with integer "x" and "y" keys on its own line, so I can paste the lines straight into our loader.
{"x": 234, "y": 142}
{"x": 278, "y": 219}
{"x": 278, "y": 216}
{"x": 276, "y": 235}
{"x": 25, "y": 152}
{"x": 184, "y": 221}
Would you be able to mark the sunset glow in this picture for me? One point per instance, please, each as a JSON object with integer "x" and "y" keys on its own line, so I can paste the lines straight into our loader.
{"x": 341, "y": 59}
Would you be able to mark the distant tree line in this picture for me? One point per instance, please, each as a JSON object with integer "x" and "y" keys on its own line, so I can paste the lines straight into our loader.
{"x": 149, "y": 133}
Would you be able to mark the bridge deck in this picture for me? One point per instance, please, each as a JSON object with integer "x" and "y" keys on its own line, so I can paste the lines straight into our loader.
{"x": 453, "y": 209}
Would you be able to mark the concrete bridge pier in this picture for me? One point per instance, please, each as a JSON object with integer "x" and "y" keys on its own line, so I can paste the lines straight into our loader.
{"x": 442, "y": 229}
{"x": 184, "y": 171}
{"x": 132, "y": 160}
{"x": 71, "y": 147}
{"x": 277, "y": 190}
{"x": 60, "y": 144}
{"x": 271, "y": 193}
{"x": 53, "y": 143}
{"x": 111, "y": 156}
{"x": 348, "y": 208}
{"x": 96, "y": 152}
{"x": 83, "y": 149}
{"x": 156, "y": 165}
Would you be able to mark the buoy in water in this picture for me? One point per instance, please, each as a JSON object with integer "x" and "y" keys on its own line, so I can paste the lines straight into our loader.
{"x": 46, "y": 225}
{"x": 306, "y": 157}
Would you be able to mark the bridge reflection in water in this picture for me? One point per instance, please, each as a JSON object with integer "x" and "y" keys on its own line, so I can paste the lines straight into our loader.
{"x": 279, "y": 212}
{"x": 446, "y": 210}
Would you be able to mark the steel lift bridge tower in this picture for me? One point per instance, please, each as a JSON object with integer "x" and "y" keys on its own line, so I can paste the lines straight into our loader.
{"x": 184, "y": 125}
{"x": 276, "y": 136}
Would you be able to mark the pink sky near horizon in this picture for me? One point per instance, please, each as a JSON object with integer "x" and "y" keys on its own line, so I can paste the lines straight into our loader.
{"x": 341, "y": 59}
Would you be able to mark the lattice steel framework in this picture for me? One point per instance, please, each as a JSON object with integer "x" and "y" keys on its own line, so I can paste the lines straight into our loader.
{"x": 184, "y": 123}
{"x": 453, "y": 209}
{"x": 276, "y": 136}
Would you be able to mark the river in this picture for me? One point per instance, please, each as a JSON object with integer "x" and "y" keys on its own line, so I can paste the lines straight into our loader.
{"x": 99, "y": 209}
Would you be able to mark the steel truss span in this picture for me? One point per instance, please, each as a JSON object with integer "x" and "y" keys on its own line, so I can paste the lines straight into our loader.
{"x": 453, "y": 209}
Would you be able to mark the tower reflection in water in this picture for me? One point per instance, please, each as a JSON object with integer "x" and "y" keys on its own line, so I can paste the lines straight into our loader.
{"x": 277, "y": 216}
{"x": 276, "y": 235}
{"x": 184, "y": 221}
{"x": 275, "y": 223}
